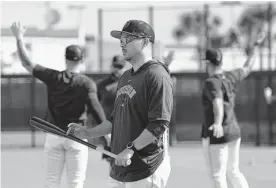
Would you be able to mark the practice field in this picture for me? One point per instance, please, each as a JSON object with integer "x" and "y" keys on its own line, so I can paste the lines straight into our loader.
{"x": 23, "y": 167}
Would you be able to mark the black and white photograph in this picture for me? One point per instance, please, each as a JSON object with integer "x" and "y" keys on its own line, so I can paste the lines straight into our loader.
{"x": 138, "y": 94}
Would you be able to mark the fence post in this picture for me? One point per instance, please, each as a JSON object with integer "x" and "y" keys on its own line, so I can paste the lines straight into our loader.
{"x": 172, "y": 129}
{"x": 206, "y": 30}
{"x": 151, "y": 22}
{"x": 269, "y": 35}
{"x": 270, "y": 113}
{"x": 257, "y": 110}
{"x": 100, "y": 38}
{"x": 33, "y": 83}
{"x": 261, "y": 57}
{"x": 269, "y": 62}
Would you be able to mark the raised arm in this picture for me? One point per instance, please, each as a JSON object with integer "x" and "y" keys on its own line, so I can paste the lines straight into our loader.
{"x": 18, "y": 31}
{"x": 168, "y": 59}
{"x": 248, "y": 65}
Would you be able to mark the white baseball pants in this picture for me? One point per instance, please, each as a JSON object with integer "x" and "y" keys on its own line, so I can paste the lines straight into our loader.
{"x": 223, "y": 164}
{"x": 60, "y": 152}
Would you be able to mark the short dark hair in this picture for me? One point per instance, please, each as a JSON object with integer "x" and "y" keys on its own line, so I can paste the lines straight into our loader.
{"x": 118, "y": 61}
{"x": 74, "y": 53}
{"x": 214, "y": 56}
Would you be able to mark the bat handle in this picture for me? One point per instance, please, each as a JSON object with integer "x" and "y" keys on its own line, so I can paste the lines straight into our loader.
{"x": 110, "y": 154}
{"x": 106, "y": 152}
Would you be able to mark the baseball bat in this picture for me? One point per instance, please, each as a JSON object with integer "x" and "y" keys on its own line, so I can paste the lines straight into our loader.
{"x": 51, "y": 128}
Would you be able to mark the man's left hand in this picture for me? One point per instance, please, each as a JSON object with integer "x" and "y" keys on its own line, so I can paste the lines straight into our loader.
{"x": 124, "y": 158}
{"x": 217, "y": 130}
{"x": 18, "y": 30}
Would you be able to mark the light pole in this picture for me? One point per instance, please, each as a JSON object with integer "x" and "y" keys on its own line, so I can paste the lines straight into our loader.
{"x": 81, "y": 30}
{"x": 232, "y": 10}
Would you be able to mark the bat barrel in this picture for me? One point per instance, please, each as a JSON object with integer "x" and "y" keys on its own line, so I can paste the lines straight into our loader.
{"x": 51, "y": 128}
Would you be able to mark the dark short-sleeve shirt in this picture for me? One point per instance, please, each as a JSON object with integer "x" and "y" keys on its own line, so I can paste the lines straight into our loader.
{"x": 142, "y": 97}
{"x": 221, "y": 86}
{"x": 69, "y": 96}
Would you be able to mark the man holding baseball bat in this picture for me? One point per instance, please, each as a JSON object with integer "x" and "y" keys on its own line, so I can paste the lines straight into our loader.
{"x": 220, "y": 132}
{"x": 141, "y": 116}
{"x": 70, "y": 97}
{"x": 107, "y": 88}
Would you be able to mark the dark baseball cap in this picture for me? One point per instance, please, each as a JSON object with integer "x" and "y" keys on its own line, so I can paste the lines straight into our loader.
{"x": 118, "y": 61}
{"x": 137, "y": 28}
{"x": 214, "y": 56}
{"x": 74, "y": 53}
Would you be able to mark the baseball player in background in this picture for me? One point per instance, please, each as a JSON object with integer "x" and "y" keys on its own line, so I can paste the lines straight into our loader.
{"x": 141, "y": 116}
{"x": 107, "y": 88}
{"x": 220, "y": 132}
{"x": 70, "y": 97}
{"x": 269, "y": 97}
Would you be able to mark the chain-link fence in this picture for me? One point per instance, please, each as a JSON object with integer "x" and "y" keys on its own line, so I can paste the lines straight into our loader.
{"x": 23, "y": 97}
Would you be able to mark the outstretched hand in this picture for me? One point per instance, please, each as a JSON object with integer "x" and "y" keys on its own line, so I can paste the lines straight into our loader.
{"x": 260, "y": 37}
{"x": 18, "y": 30}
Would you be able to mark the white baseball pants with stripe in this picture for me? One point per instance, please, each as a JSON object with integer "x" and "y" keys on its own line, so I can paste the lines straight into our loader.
{"x": 60, "y": 152}
{"x": 223, "y": 164}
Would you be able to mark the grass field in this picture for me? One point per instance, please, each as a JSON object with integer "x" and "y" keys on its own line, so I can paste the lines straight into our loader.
{"x": 23, "y": 167}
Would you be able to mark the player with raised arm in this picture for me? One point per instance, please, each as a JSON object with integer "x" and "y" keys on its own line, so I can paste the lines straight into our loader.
{"x": 220, "y": 131}
{"x": 70, "y": 97}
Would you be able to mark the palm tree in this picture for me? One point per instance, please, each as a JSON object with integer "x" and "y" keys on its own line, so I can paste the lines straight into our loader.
{"x": 192, "y": 24}
{"x": 251, "y": 20}
{"x": 232, "y": 38}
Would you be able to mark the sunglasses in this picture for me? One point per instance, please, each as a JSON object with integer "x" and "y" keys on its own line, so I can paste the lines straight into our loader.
{"x": 129, "y": 38}
{"x": 118, "y": 66}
